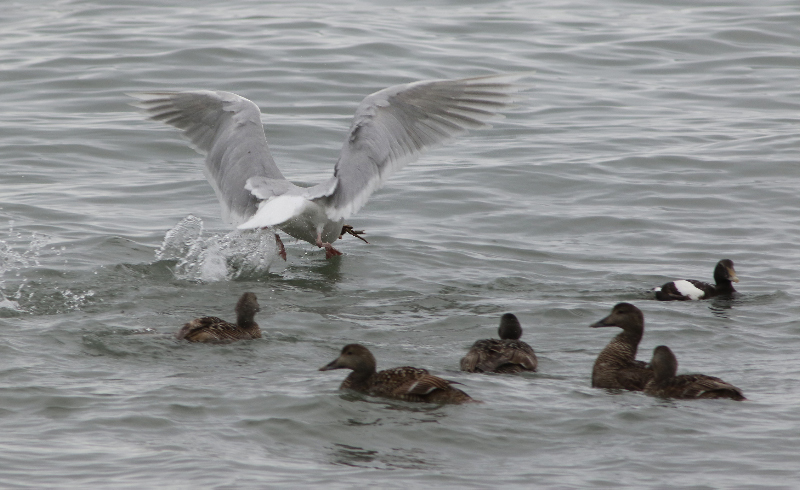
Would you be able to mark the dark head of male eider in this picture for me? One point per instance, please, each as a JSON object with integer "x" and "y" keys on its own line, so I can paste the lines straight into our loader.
{"x": 690, "y": 289}
{"x": 616, "y": 367}
{"x": 507, "y": 355}
{"x": 666, "y": 384}
{"x": 213, "y": 329}
{"x": 403, "y": 383}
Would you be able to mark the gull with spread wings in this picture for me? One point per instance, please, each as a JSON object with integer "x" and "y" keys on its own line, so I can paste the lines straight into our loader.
{"x": 390, "y": 129}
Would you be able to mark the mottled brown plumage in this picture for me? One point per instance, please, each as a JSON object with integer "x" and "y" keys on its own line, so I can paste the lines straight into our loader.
{"x": 403, "y": 383}
{"x": 616, "y": 367}
{"x": 506, "y": 355}
{"x": 213, "y": 329}
{"x": 724, "y": 277}
{"x": 666, "y": 384}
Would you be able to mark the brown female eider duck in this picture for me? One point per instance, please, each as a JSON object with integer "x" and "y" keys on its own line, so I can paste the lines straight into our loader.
{"x": 213, "y": 329}
{"x": 404, "y": 383}
{"x": 665, "y": 384}
{"x": 507, "y": 355}
{"x": 616, "y": 366}
{"x": 689, "y": 289}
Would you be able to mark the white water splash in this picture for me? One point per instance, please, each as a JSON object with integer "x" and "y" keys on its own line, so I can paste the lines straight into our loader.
{"x": 13, "y": 259}
{"x": 217, "y": 257}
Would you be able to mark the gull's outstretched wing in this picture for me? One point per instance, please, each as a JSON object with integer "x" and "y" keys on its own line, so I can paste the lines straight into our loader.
{"x": 226, "y": 129}
{"x": 393, "y": 126}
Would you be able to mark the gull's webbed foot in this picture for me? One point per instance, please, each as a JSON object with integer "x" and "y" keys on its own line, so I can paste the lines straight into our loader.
{"x": 356, "y": 233}
{"x": 329, "y": 250}
{"x": 281, "y": 248}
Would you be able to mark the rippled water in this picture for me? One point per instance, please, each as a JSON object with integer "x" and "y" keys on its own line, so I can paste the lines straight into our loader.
{"x": 656, "y": 140}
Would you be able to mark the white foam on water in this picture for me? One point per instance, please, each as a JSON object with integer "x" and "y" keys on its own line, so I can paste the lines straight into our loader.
{"x": 217, "y": 257}
{"x": 17, "y": 254}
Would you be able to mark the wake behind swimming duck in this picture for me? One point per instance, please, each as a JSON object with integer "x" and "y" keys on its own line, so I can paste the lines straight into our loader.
{"x": 390, "y": 129}
{"x": 666, "y": 384}
{"x": 689, "y": 289}
{"x": 616, "y": 367}
{"x": 403, "y": 383}
{"x": 506, "y": 355}
{"x": 213, "y": 329}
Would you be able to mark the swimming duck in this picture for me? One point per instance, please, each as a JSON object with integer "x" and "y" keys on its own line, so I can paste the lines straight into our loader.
{"x": 213, "y": 329}
{"x": 616, "y": 366}
{"x": 404, "y": 383}
{"x": 666, "y": 385}
{"x": 689, "y": 289}
{"x": 507, "y": 355}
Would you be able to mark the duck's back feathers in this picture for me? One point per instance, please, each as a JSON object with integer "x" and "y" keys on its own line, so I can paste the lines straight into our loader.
{"x": 633, "y": 377}
{"x": 507, "y": 355}
{"x": 403, "y": 383}
{"x": 615, "y": 369}
{"x": 666, "y": 384}
{"x": 685, "y": 290}
{"x": 213, "y": 329}
{"x": 691, "y": 386}
{"x": 499, "y": 356}
{"x": 415, "y": 385}
{"x": 411, "y": 384}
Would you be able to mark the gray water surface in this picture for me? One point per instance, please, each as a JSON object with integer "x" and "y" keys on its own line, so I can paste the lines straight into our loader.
{"x": 656, "y": 139}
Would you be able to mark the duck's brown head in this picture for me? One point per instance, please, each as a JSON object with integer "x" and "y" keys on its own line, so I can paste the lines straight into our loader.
{"x": 625, "y": 316}
{"x": 353, "y": 356}
{"x": 510, "y": 327}
{"x": 246, "y": 308}
{"x": 664, "y": 363}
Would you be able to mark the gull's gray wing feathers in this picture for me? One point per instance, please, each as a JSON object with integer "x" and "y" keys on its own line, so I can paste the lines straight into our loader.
{"x": 393, "y": 126}
{"x": 226, "y": 129}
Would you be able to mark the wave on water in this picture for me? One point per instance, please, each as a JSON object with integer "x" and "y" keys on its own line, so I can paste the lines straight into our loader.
{"x": 217, "y": 257}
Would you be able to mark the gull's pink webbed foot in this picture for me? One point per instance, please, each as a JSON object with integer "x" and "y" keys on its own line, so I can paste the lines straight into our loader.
{"x": 281, "y": 248}
{"x": 329, "y": 250}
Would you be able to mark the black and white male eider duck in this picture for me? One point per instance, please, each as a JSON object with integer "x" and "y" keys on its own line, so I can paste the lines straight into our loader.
{"x": 403, "y": 383}
{"x": 616, "y": 367}
{"x": 213, "y": 329}
{"x": 506, "y": 355}
{"x": 665, "y": 384}
{"x": 689, "y": 289}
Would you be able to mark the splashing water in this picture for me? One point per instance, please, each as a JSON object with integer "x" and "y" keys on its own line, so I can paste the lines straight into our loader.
{"x": 15, "y": 258}
{"x": 217, "y": 257}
